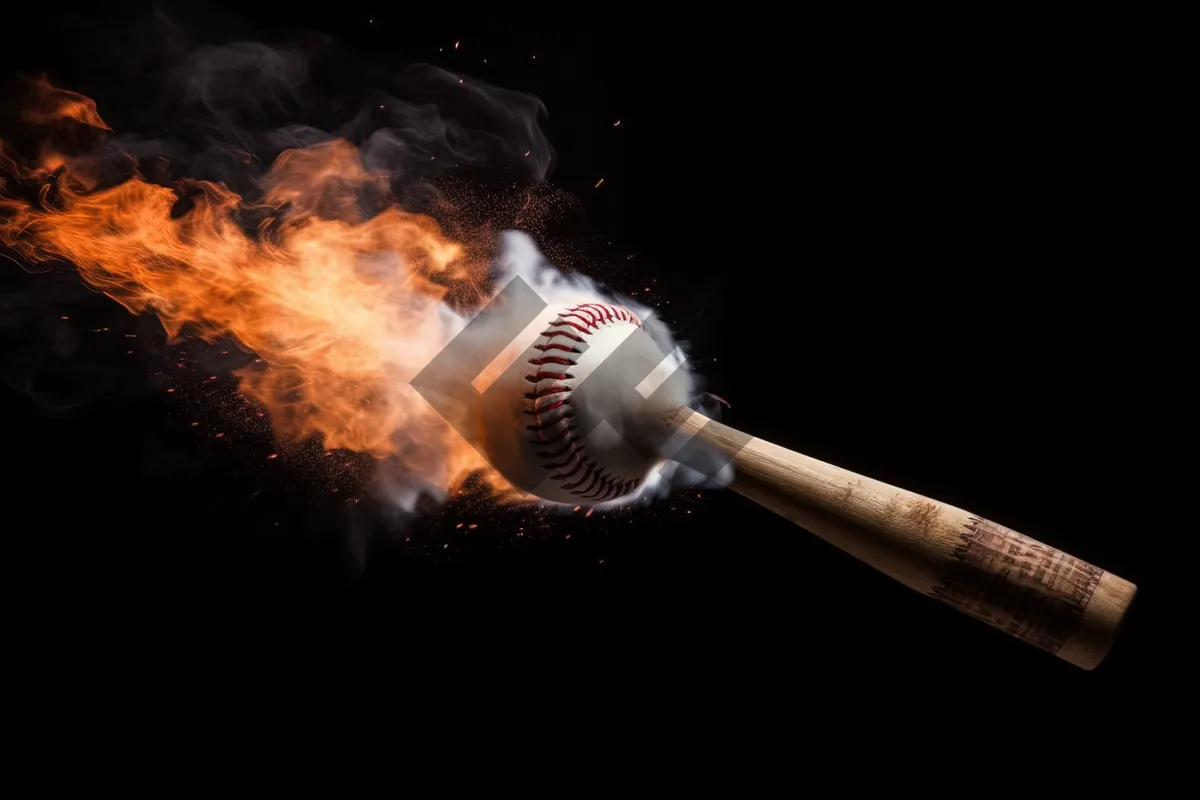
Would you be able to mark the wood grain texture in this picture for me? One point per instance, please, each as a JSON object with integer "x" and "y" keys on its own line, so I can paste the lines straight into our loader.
{"x": 1039, "y": 594}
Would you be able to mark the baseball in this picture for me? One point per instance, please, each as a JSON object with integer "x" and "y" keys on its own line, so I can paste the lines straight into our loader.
{"x": 564, "y": 445}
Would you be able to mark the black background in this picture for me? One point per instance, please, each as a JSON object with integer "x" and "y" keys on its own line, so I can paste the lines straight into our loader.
{"x": 883, "y": 239}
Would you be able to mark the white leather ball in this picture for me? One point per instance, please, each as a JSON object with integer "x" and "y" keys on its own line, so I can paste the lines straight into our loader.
{"x": 583, "y": 447}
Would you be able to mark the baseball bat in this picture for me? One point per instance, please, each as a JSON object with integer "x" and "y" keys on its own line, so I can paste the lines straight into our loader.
{"x": 1039, "y": 594}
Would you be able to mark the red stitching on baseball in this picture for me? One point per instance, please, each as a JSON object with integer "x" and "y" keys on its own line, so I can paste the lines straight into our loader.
{"x": 557, "y": 437}
{"x": 563, "y": 347}
{"x": 575, "y": 325}
{"x": 554, "y": 388}
{"x": 551, "y": 407}
{"x": 588, "y": 321}
{"x": 537, "y": 362}
{"x": 568, "y": 460}
{"x": 571, "y": 459}
{"x": 557, "y": 453}
{"x": 568, "y": 334}
{"x": 554, "y": 376}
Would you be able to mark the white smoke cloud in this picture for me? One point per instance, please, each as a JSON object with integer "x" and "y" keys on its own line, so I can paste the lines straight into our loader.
{"x": 223, "y": 112}
{"x": 521, "y": 258}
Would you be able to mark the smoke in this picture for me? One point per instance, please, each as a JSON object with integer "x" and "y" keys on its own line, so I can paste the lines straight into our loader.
{"x": 520, "y": 259}
{"x": 225, "y": 112}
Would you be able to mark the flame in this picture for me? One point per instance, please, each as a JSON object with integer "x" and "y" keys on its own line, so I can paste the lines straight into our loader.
{"x": 52, "y": 104}
{"x": 342, "y": 310}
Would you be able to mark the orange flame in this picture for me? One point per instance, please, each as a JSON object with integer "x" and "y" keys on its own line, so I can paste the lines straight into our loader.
{"x": 344, "y": 311}
{"x": 52, "y": 104}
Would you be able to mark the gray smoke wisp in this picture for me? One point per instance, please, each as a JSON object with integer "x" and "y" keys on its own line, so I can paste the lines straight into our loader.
{"x": 228, "y": 111}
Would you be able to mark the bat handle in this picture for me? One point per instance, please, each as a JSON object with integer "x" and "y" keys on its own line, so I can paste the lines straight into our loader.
{"x": 1039, "y": 594}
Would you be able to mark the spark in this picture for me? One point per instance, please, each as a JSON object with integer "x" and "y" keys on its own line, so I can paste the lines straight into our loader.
{"x": 64, "y": 318}
{"x": 460, "y": 81}
{"x": 272, "y": 456}
{"x": 472, "y": 526}
{"x": 309, "y": 322}
{"x": 617, "y": 124}
{"x": 459, "y": 525}
{"x": 599, "y": 183}
{"x": 589, "y": 513}
{"x": 576, "y": 508}
{"x": 456, "y": 45}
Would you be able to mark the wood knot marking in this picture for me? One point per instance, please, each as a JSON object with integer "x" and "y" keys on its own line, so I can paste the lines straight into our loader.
{"x": 892, "y": 508}
{"x": 1017, "y": 584}
{"x": 922, "y": 513}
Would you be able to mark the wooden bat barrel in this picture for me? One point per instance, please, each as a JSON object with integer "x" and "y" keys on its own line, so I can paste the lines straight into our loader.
{"x": 1041, "y": 595}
